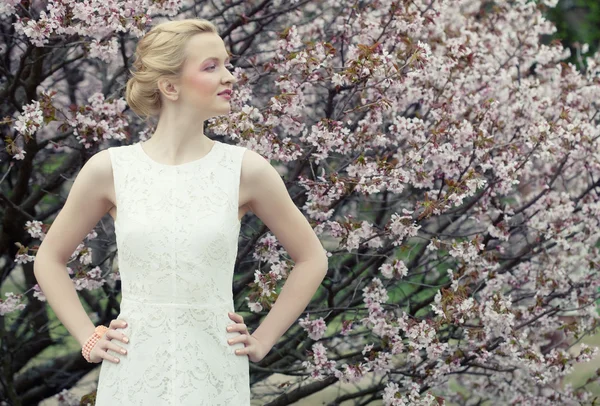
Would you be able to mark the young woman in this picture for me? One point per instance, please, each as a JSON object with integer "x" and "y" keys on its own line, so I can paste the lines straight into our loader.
{"x": 177, "y": 200}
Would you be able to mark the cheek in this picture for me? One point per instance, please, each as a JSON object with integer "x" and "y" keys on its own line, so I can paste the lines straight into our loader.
{"x": 202, "y": 84}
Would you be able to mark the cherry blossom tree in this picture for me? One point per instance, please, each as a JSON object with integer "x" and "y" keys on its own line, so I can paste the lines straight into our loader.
{"x": 446, "y": 156}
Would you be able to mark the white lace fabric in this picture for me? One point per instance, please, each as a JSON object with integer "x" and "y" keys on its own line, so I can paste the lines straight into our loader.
{"x": 177, "y": 234}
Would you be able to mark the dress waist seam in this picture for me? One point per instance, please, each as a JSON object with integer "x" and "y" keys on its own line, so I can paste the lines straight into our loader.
{"x": 171, "y": 304}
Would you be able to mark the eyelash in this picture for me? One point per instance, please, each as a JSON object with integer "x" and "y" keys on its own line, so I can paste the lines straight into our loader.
{"x": 228, "y": 66}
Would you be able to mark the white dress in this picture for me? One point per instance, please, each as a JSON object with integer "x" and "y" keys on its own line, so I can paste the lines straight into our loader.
{"x": 177, "y": 232}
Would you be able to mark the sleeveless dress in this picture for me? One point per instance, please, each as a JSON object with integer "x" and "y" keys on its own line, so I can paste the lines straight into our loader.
{"x": 177, "y": 232}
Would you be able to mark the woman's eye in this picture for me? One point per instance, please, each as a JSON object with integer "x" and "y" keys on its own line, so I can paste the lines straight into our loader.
{"x": 228, "y": 66}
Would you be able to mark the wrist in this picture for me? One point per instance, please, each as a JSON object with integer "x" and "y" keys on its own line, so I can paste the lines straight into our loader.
{"x": 85, "y": 335}
{"x": 265, "y": 344}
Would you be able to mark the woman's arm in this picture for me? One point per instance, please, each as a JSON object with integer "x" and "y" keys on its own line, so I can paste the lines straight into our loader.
{"x": 271, "y": 202}
{"x": 86, "y": 203}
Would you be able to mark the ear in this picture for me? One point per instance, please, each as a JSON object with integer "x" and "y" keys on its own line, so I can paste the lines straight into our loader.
{"x": 169, "y": 89}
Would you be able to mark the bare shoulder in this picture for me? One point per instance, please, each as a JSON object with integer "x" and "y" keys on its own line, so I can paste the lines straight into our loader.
{"x": 253, "y": 163}
{"x": 99, "y": 168}
{"x": 254, "y": 166}
{"x": 101, "y": 162}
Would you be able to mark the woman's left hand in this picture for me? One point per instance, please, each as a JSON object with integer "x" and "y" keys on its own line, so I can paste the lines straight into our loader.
{"x": 255, "y": 350}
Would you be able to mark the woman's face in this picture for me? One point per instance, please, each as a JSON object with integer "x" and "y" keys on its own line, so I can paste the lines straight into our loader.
{"x": 205, "y": 74}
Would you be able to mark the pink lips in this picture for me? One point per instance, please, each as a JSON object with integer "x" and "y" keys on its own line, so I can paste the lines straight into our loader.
{"x": 226, "y": 94}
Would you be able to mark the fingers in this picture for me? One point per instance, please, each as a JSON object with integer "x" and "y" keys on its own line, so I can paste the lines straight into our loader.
{"x": 109, "y": 357}
{"x": 244, "y": 335}
{"x": 112, "y": 333}
{"x": 237, "y": 327}
{"x": 242, "y": 338}
{"x": 236, "y": 317}
{"x": 242, "y": 351}
{"x": 116, "y": 348}
{"x": 99, "y": 352}
{"x": 116, "y": 323}
{"x": 104, "y": 345}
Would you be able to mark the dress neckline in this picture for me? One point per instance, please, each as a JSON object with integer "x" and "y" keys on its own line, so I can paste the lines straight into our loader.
{"x": 147, "y": 158}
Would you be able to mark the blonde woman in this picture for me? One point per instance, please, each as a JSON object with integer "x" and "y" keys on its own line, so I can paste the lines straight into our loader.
{"x": 177, "y": 200}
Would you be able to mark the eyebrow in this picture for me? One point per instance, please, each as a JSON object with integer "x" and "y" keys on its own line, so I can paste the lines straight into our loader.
{"x": 228, "y": 59}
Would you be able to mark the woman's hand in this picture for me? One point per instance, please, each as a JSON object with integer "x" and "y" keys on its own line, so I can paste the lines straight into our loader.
{"x": 255, "y": 350}
{"x": 104, "y": 343}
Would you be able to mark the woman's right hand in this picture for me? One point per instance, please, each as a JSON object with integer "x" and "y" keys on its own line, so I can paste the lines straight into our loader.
{"x": 104, "y": 343}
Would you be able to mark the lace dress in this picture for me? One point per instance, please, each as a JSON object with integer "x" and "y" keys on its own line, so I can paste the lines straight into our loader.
{"x": 177, "y": 232}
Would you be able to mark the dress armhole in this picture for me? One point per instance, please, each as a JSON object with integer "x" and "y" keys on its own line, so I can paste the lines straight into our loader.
{"x": 116, "y": 184}
{"x": 238, "y": 174}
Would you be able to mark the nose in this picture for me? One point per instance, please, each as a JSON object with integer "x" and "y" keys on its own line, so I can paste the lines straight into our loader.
{"x": 230, "y": 77}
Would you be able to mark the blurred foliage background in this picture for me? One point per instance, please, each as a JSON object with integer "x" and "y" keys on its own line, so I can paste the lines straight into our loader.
{"x": 577, "y": 23}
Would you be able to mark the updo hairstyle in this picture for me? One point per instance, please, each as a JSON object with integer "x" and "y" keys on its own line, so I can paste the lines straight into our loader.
{"x": 160, "y": 53}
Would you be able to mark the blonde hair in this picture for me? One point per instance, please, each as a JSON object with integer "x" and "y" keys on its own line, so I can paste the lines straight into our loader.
{"x": 160, "y": 54}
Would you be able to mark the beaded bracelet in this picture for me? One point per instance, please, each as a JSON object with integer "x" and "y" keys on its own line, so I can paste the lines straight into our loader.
{"x": 89, "y": 344}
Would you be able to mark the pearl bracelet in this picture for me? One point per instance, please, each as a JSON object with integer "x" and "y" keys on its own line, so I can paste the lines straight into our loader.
{"x": 89, "y": 344}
